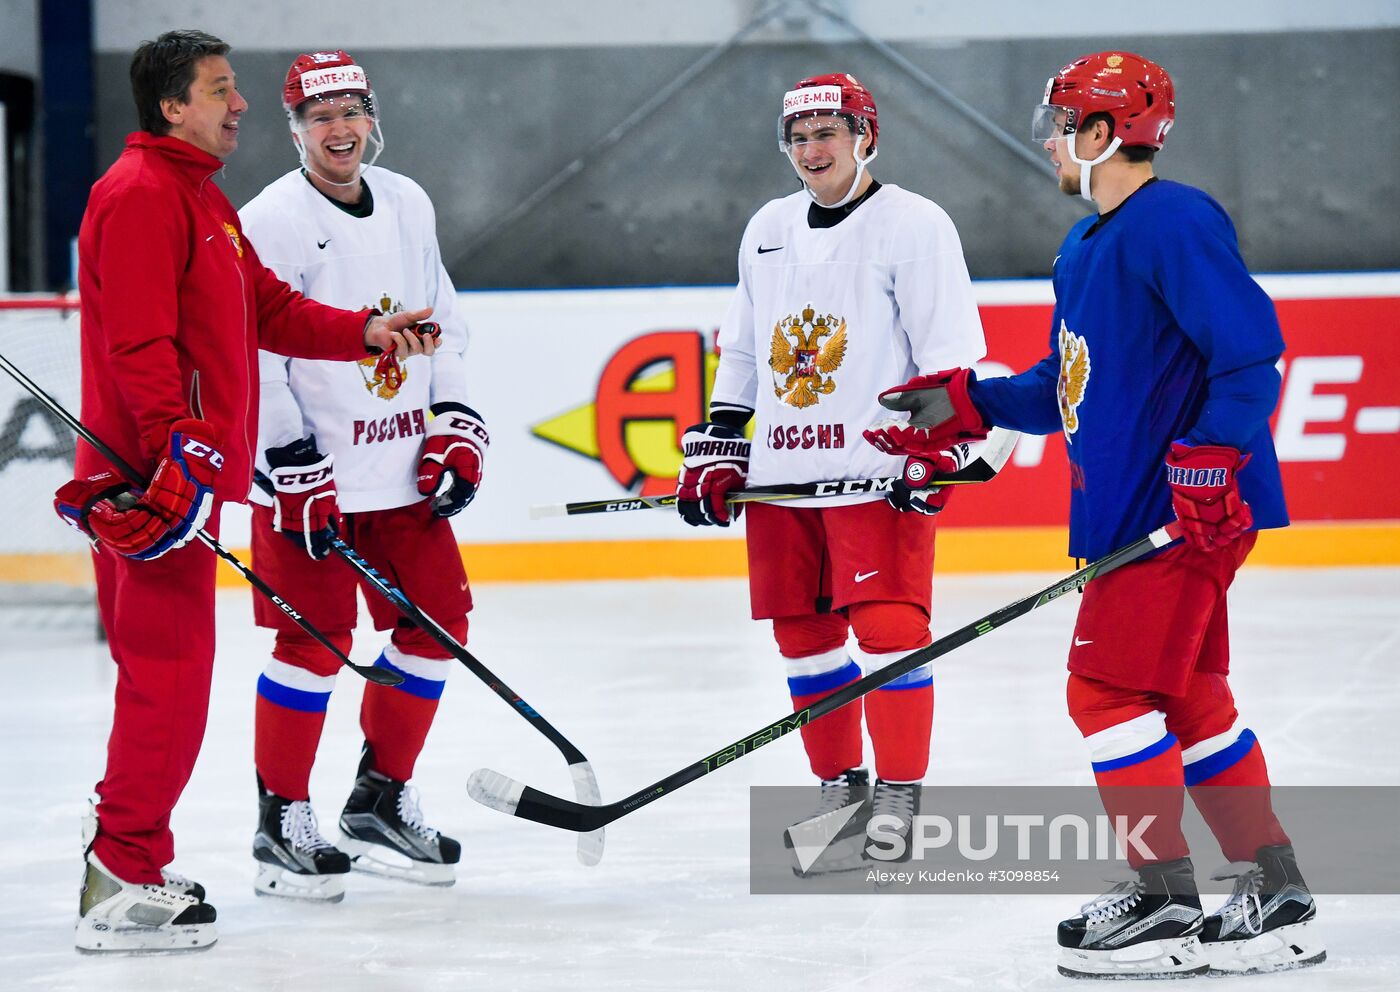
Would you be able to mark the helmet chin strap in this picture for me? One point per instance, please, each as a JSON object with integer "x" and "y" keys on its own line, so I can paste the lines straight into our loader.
{"x": 861, "y": 163}
{"x": 1085, "y": 165}
{"x": 376, "y": 140}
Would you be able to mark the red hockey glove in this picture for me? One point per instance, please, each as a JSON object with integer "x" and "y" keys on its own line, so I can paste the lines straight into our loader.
{"x": 304, "y": 506}
{"x": 1206, "y": 493}
{"x": 449, "y": 469}
{"x": 716, "y": 462}
{"x": 941, "y": 414}
{"x": 145, "y": 524}
{"x": 914, "y": 492}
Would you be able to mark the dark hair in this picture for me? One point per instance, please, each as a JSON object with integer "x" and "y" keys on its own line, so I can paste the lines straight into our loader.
{"x": 1133, "y": 153}
{"x": 164, "y": 69}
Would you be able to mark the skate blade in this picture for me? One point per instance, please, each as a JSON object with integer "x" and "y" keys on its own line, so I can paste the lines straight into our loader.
{"x": 1284, "y": 949}
{"x": 375, "y": 859}
{"x": 278, "y": 882}
{"x": 840, "y": 857}
{"x": 93, "y": 937}
{"x": 1178, "y": 958}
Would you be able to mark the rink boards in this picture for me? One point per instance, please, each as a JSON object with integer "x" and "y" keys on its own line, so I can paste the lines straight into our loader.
{"x": 586, "y": 391}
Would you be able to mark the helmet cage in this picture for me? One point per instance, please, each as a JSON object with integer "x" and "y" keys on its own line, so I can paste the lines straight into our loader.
{"x": 303, "y": 123}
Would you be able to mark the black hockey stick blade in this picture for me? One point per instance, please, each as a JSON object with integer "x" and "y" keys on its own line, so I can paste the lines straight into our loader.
{"x": 381, "y": 676}
{"x": 991, "y": 458}
{"x": 505, "y": 794}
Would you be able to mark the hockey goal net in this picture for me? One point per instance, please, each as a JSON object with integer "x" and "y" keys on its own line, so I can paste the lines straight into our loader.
{"x": 45, "y": 568}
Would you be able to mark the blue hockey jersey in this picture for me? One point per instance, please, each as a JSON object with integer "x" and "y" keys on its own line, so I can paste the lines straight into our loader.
{"x": 1159, "y": 333}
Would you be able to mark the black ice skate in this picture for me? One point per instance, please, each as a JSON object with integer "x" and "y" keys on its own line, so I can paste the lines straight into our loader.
{"x": 850, "y": 786}
{"x": 294, "y": 860}
{"x": 896, "y": 801}
{"x": 1267, "y": 923}
{"x": 382, "y": 830}
{"x": 824, "y": 832}
{"x": 117, "y": 916}
{"x": 1144, "y": 928}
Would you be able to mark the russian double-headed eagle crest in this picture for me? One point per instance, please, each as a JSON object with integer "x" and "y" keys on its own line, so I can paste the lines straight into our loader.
{"x": 805, "y": 353}
{"x": 1074, "y": 377}
{"x": 232, "y": 233}
{"x": 383, "y": 375}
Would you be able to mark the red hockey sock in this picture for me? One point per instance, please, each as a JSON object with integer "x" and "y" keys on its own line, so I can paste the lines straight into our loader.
{"x": 814, "y": 652}
{"x": 900, "y": 713}
{"x": 833, "y": 742}
{"x": 1224, "y": 767}
{"x": 396, "y": 719}
{"x": 900, "y": 722}
{"x": 284, "y": 747}
{"x": 293, "y": 692}
{"x": 1137, "y": 765}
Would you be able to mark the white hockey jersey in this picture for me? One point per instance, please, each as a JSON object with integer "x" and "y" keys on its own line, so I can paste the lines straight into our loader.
{"x": 823, "y": 319}
{"x": 371, "y": 415}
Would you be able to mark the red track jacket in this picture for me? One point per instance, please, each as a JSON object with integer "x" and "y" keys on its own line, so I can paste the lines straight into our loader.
{"x": 175, "y": 305}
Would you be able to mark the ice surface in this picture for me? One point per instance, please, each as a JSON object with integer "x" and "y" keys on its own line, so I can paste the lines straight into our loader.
{"x": 646, "y": 678}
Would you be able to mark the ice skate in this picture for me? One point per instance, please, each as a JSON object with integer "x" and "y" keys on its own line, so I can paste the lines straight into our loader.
{"x": 117, "y": 916}
{"x": 294, "y": 860}
{"x": 1147, "y": 927}
{"x": 1267, "y": 923}
{"x": 837, "y": 838}
{"x": 900, "y": 801}
{"x": 837, "y": 793}
{"x": 382, "y": 830}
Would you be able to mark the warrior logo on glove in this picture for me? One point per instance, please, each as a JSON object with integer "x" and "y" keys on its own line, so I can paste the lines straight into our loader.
{"x": 716, "y": 462}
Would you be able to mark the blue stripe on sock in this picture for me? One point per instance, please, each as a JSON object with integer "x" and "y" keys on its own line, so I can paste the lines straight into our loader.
{"x": 805, "y": 685}
{"x": 1167, "y": 742}
{"x": 1213, "y": 764}
{"x": 917, "y": 679}
{"x": 293, "y": 699}
{"x": 414, "y": 685}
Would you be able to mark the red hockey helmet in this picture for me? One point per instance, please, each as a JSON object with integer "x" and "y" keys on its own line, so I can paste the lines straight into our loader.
{"x": 833, "y": 93}
{"x": 321, "y": 74}
{"x": 1135, "y": 92}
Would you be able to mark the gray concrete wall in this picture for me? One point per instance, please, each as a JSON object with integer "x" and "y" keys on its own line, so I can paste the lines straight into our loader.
{"x": 1294, "y": 132}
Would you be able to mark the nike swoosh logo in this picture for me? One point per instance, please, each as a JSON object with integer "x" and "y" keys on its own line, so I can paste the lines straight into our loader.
{"x": 464, "y": 587}
{"x": 322, "y": 244}
{"x": 1079, "y": 644}
{"x": 210, "y": 238}
{"x": 862, "y": 576}
{"x": 764, "y": 251}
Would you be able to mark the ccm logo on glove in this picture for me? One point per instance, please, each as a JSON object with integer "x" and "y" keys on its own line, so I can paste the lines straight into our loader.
{"x": 198, "y": 449}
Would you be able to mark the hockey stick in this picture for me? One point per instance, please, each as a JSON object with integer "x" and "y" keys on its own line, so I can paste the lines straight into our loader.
{"x": 989, "y": 461}
{"x": 503, "y": 793}
{"x": 381, "y": 676}
{"x": 590, "y": 844}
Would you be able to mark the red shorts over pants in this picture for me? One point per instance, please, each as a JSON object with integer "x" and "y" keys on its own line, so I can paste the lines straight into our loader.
{"x": 159, "y": 618}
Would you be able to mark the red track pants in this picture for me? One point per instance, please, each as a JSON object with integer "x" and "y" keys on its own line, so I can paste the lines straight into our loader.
{"x": 159, "y": 617}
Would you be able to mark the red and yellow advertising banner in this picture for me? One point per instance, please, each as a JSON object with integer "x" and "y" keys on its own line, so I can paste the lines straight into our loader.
{"x": 586, "y": 394}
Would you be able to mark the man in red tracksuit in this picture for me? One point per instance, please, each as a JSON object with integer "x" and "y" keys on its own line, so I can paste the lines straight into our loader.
{"x": 175, "y": 305}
